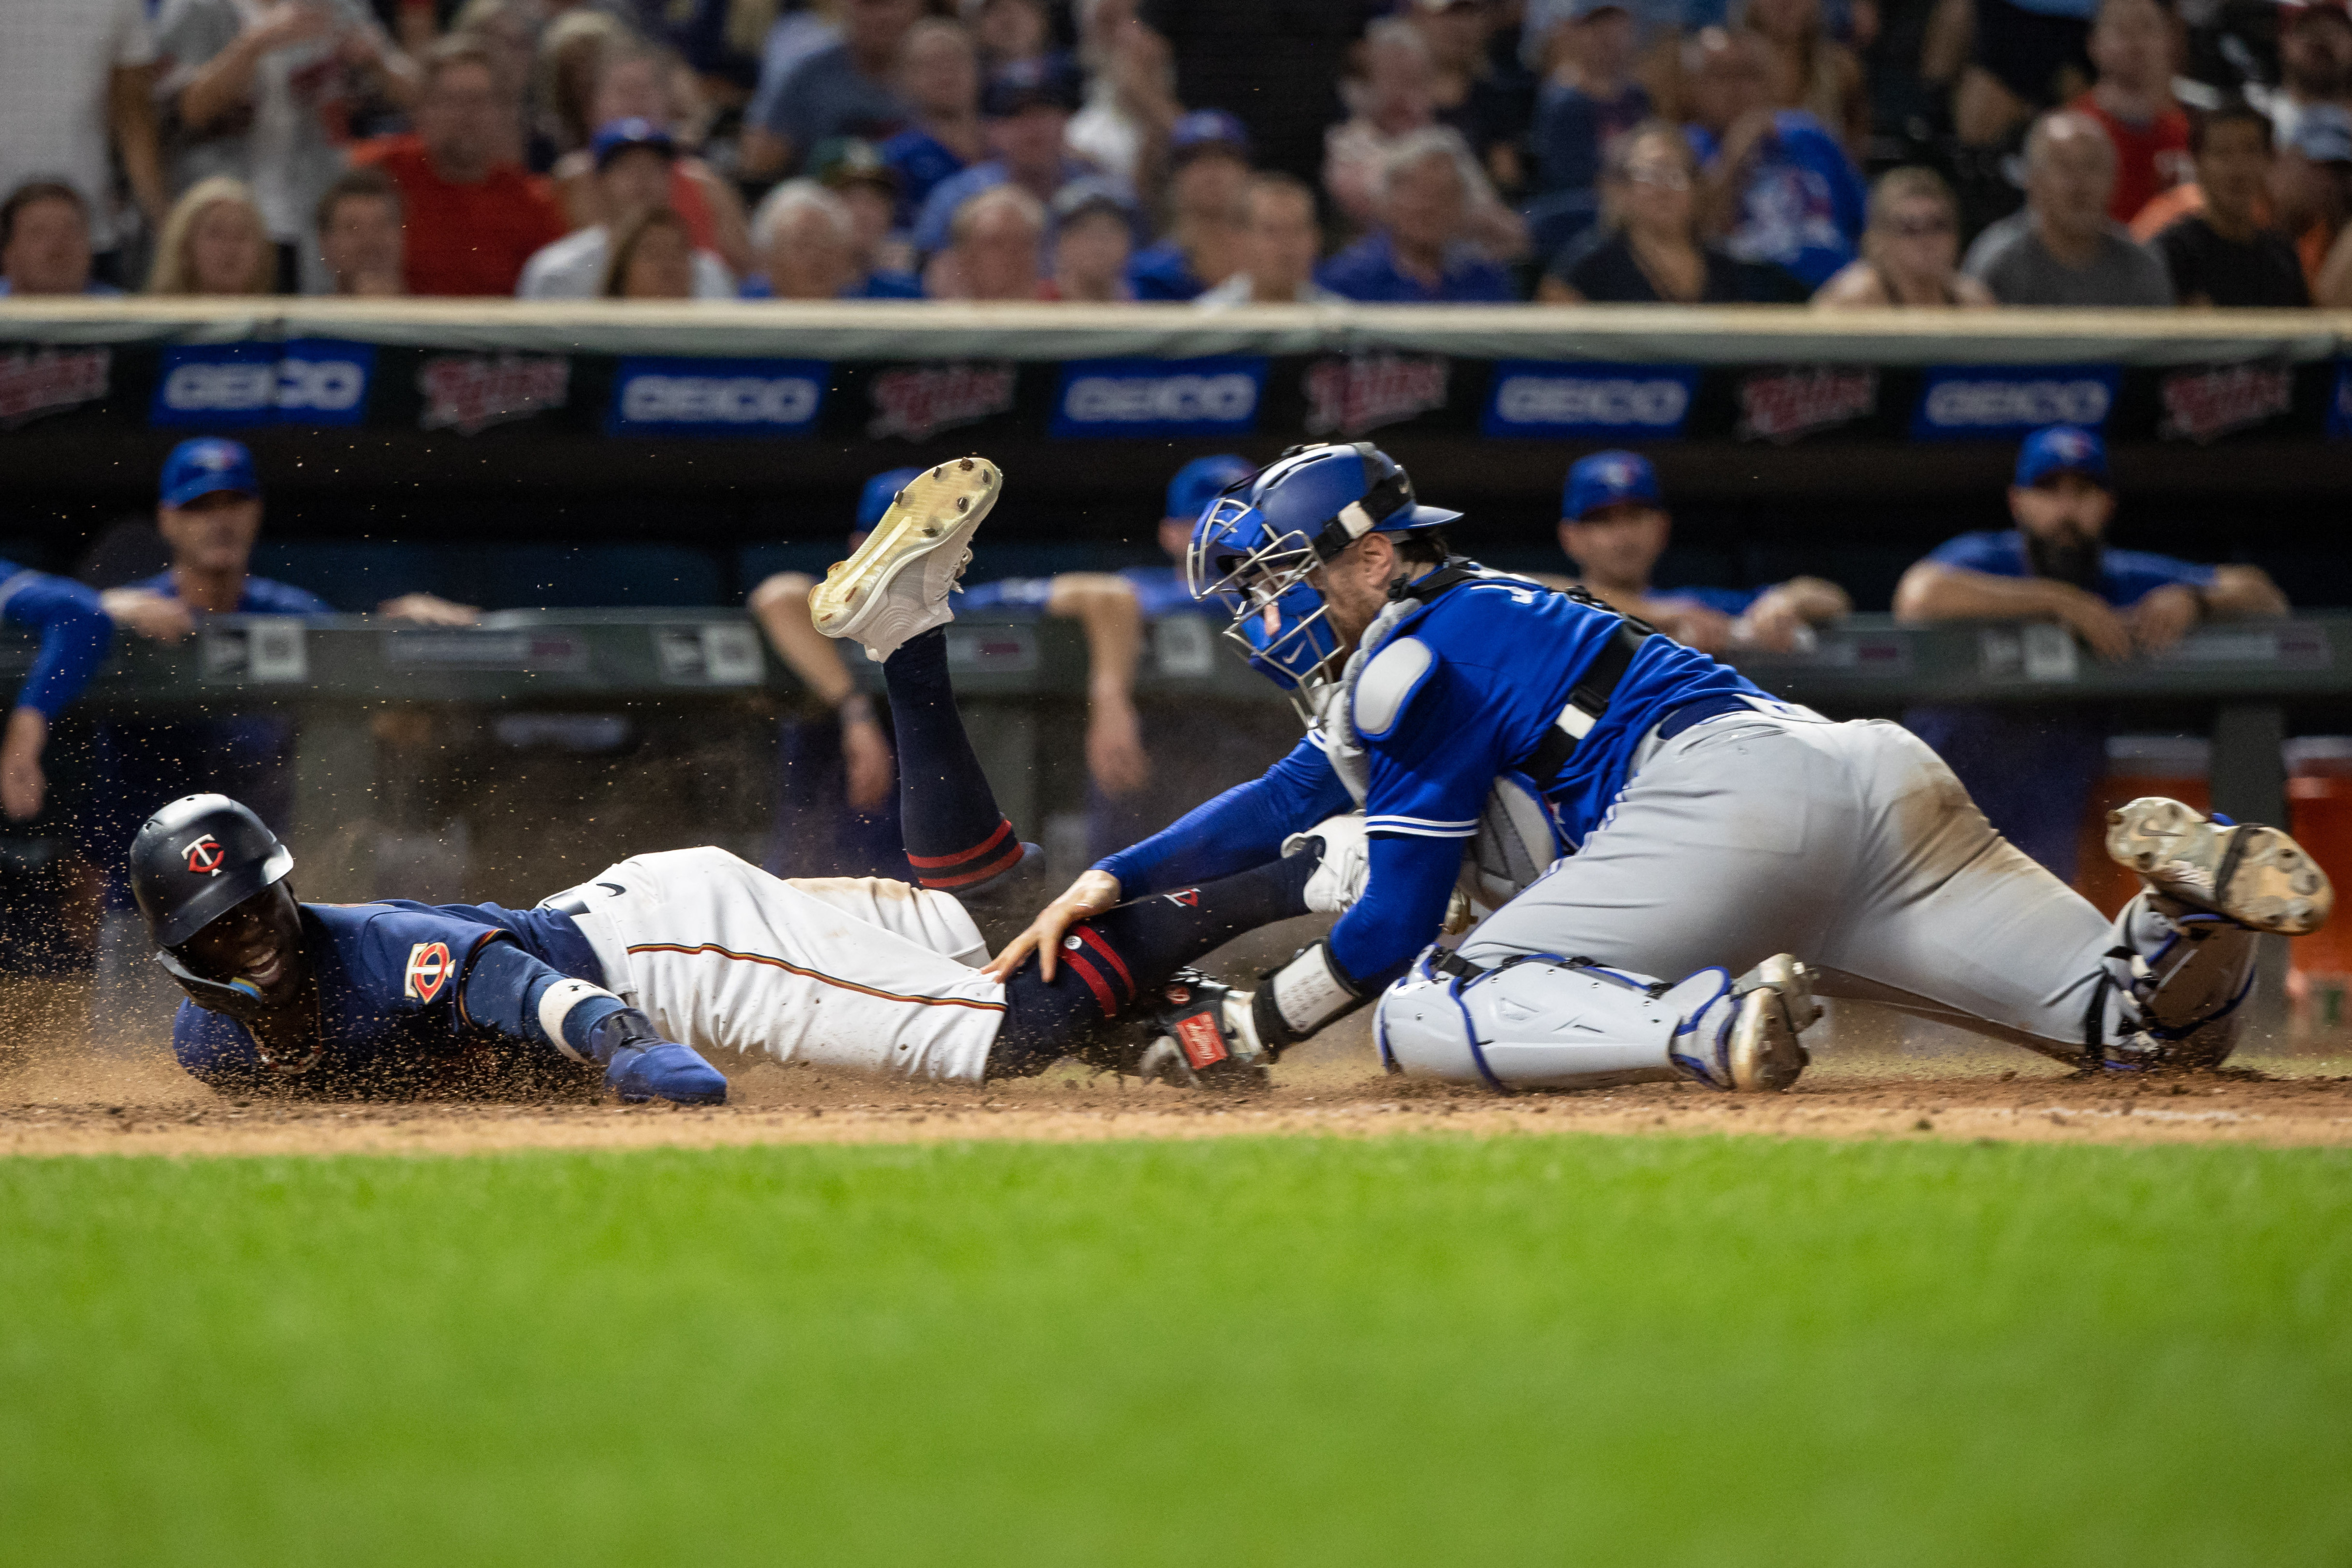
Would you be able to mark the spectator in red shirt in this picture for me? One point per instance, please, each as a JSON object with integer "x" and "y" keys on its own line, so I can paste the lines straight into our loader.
{"x": 472, "y": 219}
{"x": 2135, "y": 43}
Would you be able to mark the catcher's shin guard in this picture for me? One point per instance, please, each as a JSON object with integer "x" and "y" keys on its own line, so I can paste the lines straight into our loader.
{"x": 2177, "y": 976}
{"x": 1546, "y": 1023}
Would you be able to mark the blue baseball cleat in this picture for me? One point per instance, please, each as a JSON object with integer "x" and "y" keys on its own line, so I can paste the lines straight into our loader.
{"x": 665, "y": 1071}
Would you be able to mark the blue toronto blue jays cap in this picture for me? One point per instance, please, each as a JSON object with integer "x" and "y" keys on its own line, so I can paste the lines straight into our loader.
{"x": 1202, "y": 480}
{"x": 199, "y": 468}
{"x": 1605, "y": 479}
{"x": 2060, "y": 449}
{"x": 1206, "y": 128}
{"x": 617, "y": 136}
{"x": 876, "y": 498}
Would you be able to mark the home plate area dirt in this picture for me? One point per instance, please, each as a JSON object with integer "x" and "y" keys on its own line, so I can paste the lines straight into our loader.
{"x": 1872, "y": 1077}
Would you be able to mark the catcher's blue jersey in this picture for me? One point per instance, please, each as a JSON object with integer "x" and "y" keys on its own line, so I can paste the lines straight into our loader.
{"x": 1461, "y": 693}
{"x": 389, "y": 975}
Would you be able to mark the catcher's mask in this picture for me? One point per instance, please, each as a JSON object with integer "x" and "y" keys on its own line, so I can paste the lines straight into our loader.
{"x": 1256, "y": 544}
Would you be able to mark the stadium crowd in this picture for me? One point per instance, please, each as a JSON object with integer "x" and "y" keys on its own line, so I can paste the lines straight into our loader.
{"x": 1860, "y": 153}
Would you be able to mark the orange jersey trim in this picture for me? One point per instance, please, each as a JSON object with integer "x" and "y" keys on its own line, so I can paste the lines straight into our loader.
{"x": 712, "y": 947}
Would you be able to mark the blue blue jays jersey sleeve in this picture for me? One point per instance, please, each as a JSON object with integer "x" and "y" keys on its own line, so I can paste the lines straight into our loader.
{"x": 1995, "y": 554}
{"x": 1244, "y": 827}
{"x": 264, "y": 597}
{"x": 1730, "y": 601}
{"x": 75, "y": 634}
{"x": 2128, "y": 576}
{"x": 1161, "y": 591}
{"x": 2125, "y": 576}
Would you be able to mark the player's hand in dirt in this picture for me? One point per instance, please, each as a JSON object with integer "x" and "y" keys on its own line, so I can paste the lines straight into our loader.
{"x": 2090, "y": 618}
{"x": 1114, "y": 753}
{"x": 148, "y": 613}
{"x": 1094, "y": 892}
{"x": 664, "y": 1070}
{"x": 871, "y": 771}
{"x": 2164, "y": 616}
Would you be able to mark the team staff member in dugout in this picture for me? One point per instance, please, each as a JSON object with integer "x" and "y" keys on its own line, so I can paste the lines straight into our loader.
{"x": 1615, "y": 525}
{"x": 209, "y": 512}
{"x": 2031, "y": 768}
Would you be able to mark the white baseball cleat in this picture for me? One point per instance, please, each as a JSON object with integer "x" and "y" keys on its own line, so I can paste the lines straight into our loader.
{"x": 1776, "y": 1005}
{"x": 872, "y": 598}
{"x": 2245, "y": 872}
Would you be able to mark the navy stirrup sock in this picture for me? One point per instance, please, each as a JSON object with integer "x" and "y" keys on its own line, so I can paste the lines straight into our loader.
{"x": 956, "y": 838}
{"x": 1109, "y": 962}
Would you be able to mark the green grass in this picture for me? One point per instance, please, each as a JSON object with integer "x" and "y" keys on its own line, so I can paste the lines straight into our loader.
{"x": 1410, "y": 1350}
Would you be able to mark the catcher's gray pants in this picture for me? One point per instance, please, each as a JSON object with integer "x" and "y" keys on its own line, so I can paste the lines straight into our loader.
{"x": 1851, "y": 845}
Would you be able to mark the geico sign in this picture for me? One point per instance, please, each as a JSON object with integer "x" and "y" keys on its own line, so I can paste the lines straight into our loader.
{"x": 2008, "y": 402}
{"x": 327, "y": 386}
{"x": 1167, "y": 399}
{"x": 1600, "y": 400}
{"x": 720, "y": 400}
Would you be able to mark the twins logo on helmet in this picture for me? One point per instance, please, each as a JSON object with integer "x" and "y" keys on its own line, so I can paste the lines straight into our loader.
{"x": 428, "y": 970}
{"x": 205, "y": 857}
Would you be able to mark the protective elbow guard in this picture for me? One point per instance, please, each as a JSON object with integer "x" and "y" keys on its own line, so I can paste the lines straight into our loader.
{"x": 1302, "y": 996}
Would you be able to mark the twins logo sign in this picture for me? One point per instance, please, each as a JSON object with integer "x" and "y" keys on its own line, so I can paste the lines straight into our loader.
{"x": 308, "y": 381}
{"x": 717, "y": 397}
{"x": 428, "y": 971}
{"x": 1155, "y": 398}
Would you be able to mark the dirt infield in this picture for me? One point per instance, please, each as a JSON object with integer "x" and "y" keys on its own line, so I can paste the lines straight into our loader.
{"x": 149, "y": 1107}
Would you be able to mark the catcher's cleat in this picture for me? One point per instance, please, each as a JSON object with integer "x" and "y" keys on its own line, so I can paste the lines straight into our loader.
{"x": 1204, "y": 1038}
{"x": 1744, "y": 1035}
{"x": 872, "y": 598}
{"x": 2253, "y": 875}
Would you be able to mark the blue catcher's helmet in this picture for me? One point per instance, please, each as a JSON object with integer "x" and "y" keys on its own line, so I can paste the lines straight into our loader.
{"x": 1254, "y": 545}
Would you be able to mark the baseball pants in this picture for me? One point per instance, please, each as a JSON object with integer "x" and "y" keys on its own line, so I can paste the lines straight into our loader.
{"x": 1850, "y": 845}
{"x": 856, "y": 972}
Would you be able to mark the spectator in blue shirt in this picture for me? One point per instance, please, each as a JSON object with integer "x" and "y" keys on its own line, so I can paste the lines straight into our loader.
{"x": 1150, "y": 761}
{"x": 1028, "y": 115}
{"x": 847, "y": 89}
{"x": 2033, "y": 768}
{"x": 939, "y": 79}
{"x": 1208, "y": 184}
{"x": 45, "y": 241}
{"x": 1589, "y": 99}
{"x": 1420, "y": 253}
{"x": 1776, "y": 184}
{"x": 1615, "y": 525}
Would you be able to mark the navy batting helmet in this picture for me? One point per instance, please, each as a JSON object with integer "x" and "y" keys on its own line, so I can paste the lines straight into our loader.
{"x": 196, "y": 860}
